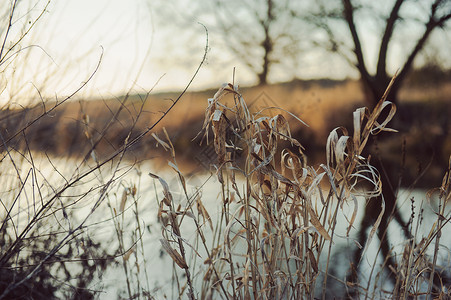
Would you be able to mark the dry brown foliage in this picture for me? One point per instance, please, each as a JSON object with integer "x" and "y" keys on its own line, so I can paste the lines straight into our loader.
{"x": 276, "y": 227}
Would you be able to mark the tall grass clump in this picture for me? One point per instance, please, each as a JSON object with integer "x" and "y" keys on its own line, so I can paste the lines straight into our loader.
{"x": 272, "y": 230}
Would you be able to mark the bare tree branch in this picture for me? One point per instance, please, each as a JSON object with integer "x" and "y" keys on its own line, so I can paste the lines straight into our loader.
{"x": 348, "y": 14}
{"x": 433, "y": 23}
{"x": 326, "y": 16}
{"x": 388, "y": 33}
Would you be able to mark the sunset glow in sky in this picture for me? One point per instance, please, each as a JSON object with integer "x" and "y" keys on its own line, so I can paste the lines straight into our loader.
{"x": 72, "y": 35}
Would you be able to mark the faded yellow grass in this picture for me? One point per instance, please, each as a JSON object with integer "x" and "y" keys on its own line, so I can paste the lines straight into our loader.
{"x": 441, "y": 92}
{"x": 310, "y": 103}
{"x": 321, "y": 104}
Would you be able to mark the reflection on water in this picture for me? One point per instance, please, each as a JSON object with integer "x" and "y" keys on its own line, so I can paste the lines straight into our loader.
{"x": 411, "y": 203}
{"x": 126, "y": 222}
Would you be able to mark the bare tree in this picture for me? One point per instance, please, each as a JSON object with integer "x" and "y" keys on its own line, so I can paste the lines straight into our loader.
{"x": 260, "y": 33}
{"x": 393, "y": 17}
{"x": 263, "y": 35}
{"x": 346, "y": 27}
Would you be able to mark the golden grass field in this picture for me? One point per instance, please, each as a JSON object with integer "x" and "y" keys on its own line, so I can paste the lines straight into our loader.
{"x": 322, "y": 104}
{"x": 324, "y": 107}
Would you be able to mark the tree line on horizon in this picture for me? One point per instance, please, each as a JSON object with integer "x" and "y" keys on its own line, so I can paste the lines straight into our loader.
{"x": 263, "y": 34}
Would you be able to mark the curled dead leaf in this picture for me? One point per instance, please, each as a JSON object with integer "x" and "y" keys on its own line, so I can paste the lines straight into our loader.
{"x": 176, "y": 257}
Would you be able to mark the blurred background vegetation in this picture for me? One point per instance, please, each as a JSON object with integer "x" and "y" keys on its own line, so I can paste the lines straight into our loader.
{"x": 81, "y": 79}
{"x": 279, "y": 49}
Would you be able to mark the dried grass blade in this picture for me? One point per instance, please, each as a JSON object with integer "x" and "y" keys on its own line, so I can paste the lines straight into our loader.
{"x": 160, "y": 210}
{"x": 291, "y": 114}
{"x": 317, "y": 223}
{"x": 203, "y": 211}
{"x": 373, "y": 229}
{"x": 299, "y": 231}
{"x": 123, "y": 200}
{"x": 181, "y": 177}
{"x": 227, "y": 244}
{"x": 279, "y": 124}
{"x": 382, "y": 126}
{"x": 315, "y": 184}
{"x": 263, "y": 164}
{"x": 221, "y": 92}
{"x": 330, "y": 147}
{"x": 313, "y": 262}
{"x": 331, "y": 178}
{"x": 161, "y": 142}
{"x": 358, "y": 116}
{"x": 340, "y": 149}
{"x": 219, "y": 130}
{"x": 127, "y": 254}
{"x": 165, "y": 186}
{"x": 294, "y": 163}
{"x": 245, "y": 278}
{"x": 176, "y": 257}
{"x": 354, "y": 214}
{"x": 280, "y": 177}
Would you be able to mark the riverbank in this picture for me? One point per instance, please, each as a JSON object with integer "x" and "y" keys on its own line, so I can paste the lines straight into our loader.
{"x": 76, "y": 127}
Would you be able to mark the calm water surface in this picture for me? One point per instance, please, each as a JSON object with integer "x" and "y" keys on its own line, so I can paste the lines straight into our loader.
{"x": 115, "y": 212}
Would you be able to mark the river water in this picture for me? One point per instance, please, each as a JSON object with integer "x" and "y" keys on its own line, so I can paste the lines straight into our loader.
{"x": 127, "y": 199}
{"x": 158, "y": 264}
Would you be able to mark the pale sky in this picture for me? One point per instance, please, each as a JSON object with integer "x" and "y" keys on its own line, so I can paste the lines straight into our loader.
{"x": 71, "y": 36}
{"x": 137, "y": 51}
